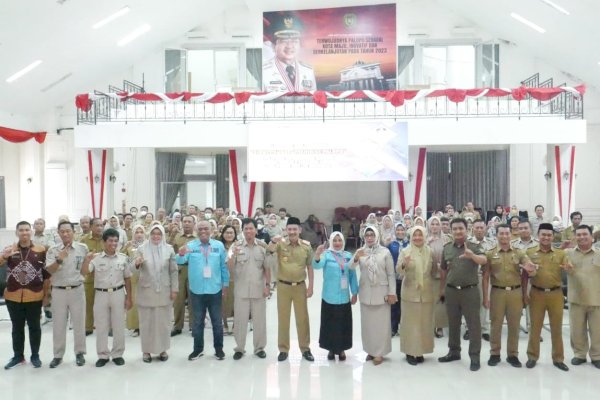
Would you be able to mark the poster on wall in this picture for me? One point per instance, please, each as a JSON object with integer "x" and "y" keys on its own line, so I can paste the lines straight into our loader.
{"x": 347, "y": 48}
{"x": 318, "y": 152}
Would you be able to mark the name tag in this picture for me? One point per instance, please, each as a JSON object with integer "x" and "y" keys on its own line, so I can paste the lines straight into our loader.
{"x": 344, "y": 283}
{"x": 207, "y": 272}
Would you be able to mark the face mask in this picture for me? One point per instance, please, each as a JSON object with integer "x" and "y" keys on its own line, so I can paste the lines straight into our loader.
{"x": 208, "y": 215}
{"x": 143, "y": 213}
{"x": 260, "y": 226}
{"x": 134, "y": 213}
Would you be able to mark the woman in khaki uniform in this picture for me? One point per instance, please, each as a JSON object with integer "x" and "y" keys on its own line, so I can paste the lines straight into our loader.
{"x": 157, "y": 289}
{"x": 416, "y": 325}
{"x": 377, "y": 291}
{"x": 139, "y": 237}
{"x": 228, "y": 237}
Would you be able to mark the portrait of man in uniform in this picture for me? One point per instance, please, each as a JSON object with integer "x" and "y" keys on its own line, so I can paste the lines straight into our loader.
{"x": 284, "y": 72}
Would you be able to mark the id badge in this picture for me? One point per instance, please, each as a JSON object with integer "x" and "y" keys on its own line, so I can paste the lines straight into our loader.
{"x": 344, "y": 283}
{"x": 207, "y": 272}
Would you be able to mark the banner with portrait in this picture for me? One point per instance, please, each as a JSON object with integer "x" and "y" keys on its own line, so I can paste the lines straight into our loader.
{"x": 347, "y": 48}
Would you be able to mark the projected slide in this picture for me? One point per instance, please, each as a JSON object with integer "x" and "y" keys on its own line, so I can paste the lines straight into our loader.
{"x": 321, "y": 152}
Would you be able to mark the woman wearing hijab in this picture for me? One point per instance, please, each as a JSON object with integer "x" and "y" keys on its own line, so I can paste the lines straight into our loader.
{"x": 436, "y": 241}
{"x": 407, "y": 221}
{"x": 377, "y": 291}
{"x": 499, "y": 212}
{"x": 157, "y": 289}
{"x": 397, "y": 218}
{"x": 388, "y": 233}
{"x": 228, "y": 238}
{"x": 338, "y": 282}
{"x": 395, "y": 247}
{"x": 131, "y": 249}
{"x": 418, "y": 221}
{"x": 416, "y": 325}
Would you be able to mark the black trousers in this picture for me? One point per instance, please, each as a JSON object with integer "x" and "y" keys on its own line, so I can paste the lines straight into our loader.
{"x": 396, "y": 311}
{"x": 20, "y": 313}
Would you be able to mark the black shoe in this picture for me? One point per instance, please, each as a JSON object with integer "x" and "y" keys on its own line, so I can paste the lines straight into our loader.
{"x": 282, "y": 356}
{"x": 531, "y": 363}
{"x": 194, "y": 355}
{"x": 119, "y": 361}
{"x": 475, "y": 365}
{"x": 15, "y": 362}
{"x": 420, "y": 359}
{"x": 88, "y": 333}
{"x": 261, "y": 354}
{"x": 331, "y": 356}
{"x": 438, "y": 333}
{"x": 541, "y": 339}
{"x": 48, "y": 315}
{"x": 238, "y": 355}
{"x": 466, "y": 335}
{"x": 35, "y": 361}
{"x": 596, "y": 363}
{"x": 219, "y": 354}
{"x": 493, "y": 361}
{"x": 307, "y": 355}
{"x": 578, "y": 361}
{"x": 394, "y": 333}
{"x": 80, "y": 360}
{"x": 342, "y": 356}
{"x": 562, "y": 366}
{"x": 175, "y": 332}
{"x": 411, "y": 360}
{"x": 101, "y": 362}
{"x": 514, "y": 361}
{"x": 163, "y": 356}
{"x": 55, "y": 362}
{"x": 449, "y": 357}
{"x": 486, "y": 337}
{"x": 147, "y": 358}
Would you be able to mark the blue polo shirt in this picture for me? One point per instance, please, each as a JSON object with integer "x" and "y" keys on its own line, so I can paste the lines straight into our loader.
{"x": 211, "y": 255}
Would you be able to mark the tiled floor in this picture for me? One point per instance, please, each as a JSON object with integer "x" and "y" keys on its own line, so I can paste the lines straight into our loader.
{"x": 254, "y": 378}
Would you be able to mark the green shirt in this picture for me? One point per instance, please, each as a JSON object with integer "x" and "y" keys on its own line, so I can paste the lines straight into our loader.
{"x": 460, "y": 271}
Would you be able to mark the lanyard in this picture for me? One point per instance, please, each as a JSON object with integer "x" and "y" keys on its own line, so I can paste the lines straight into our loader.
{"x": 205, "y": 252}
{"x": 340, "y": 261}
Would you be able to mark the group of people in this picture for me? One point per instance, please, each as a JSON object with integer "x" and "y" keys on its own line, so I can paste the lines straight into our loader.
{"x": 411, "y": 279}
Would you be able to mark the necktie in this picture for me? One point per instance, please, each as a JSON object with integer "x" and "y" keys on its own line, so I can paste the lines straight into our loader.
{"x": 291, "y": 74}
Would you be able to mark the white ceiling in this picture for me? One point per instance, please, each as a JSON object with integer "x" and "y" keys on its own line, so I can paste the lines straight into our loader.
{"x": 60, "y": 34}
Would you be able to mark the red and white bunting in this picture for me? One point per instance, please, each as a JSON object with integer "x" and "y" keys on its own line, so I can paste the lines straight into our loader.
{"x": 396, "y": 98}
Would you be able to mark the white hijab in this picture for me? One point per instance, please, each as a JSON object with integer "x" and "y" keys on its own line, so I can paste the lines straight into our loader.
{"x": 371, "y": 250}
{"x": 333, "y": 235}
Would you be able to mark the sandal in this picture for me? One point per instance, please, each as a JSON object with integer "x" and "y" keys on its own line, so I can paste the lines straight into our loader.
{"x": 147, "y": 358}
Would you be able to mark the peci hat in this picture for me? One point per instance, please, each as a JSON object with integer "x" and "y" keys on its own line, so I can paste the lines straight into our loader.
{"x": 286, "y": 26}
{"x": 293, "y": 221}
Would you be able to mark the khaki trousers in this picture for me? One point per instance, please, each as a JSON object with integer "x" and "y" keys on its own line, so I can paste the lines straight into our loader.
{"x": 584, "y": 320}
{"x": 65, "y": 303}
{"x": 182, "y": 296}
{"x": 90, "y": 294}
{"x": 286, "y": 296}
{"x": 539, "y": 303}
{"x": 505, "y": 304}
{"x": 242, "y": 310}
{"x": 109, "y": 313}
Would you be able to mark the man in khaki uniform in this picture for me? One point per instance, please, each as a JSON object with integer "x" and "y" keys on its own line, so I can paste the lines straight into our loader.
{"x": 568, "y": 235}
{"x": 111, "y": 275}
{"x": 64, "y": 262}
{"x": 94, "y": 245}
{"x": 85, "y": 225}
{"x": 584, "y": 298}
{"x": 295, "y": 258}
{"x": 252, "y": 285}
{"x": 128, "y": 226}
{"x": 546, "y": 295}
{"x": 525, "y": 240}
{"x": 479, "y": 237}
{"x": 506, "y": 297}
{"x": 177, "y": 240}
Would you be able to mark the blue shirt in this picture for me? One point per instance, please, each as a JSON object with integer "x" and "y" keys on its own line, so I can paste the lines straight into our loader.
{"x": 396, "y": 247}
{"x": 211, "y": 255}
{"x": 333, "y": 274}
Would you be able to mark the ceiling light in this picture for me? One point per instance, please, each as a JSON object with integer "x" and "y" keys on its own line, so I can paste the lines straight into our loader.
{"x": 134, "y": 35}
{"x": 25, "y": 70}
{"x": 528, "y": 23}
{"x": 556, "y": 7}
{"x": 111, "y": 18}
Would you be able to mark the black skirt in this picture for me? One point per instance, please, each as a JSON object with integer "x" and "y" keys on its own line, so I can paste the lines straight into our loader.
{"x": 336, "y": 327}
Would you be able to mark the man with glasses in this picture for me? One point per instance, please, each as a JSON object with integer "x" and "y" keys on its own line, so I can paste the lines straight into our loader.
{"x": 284, "y": 73}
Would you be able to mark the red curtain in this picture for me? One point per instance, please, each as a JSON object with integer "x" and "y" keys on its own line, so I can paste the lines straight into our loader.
{"x": 17, "y": 136}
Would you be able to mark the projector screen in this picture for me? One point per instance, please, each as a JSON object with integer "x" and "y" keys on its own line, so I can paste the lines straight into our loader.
{"x": 318, "y": 152}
